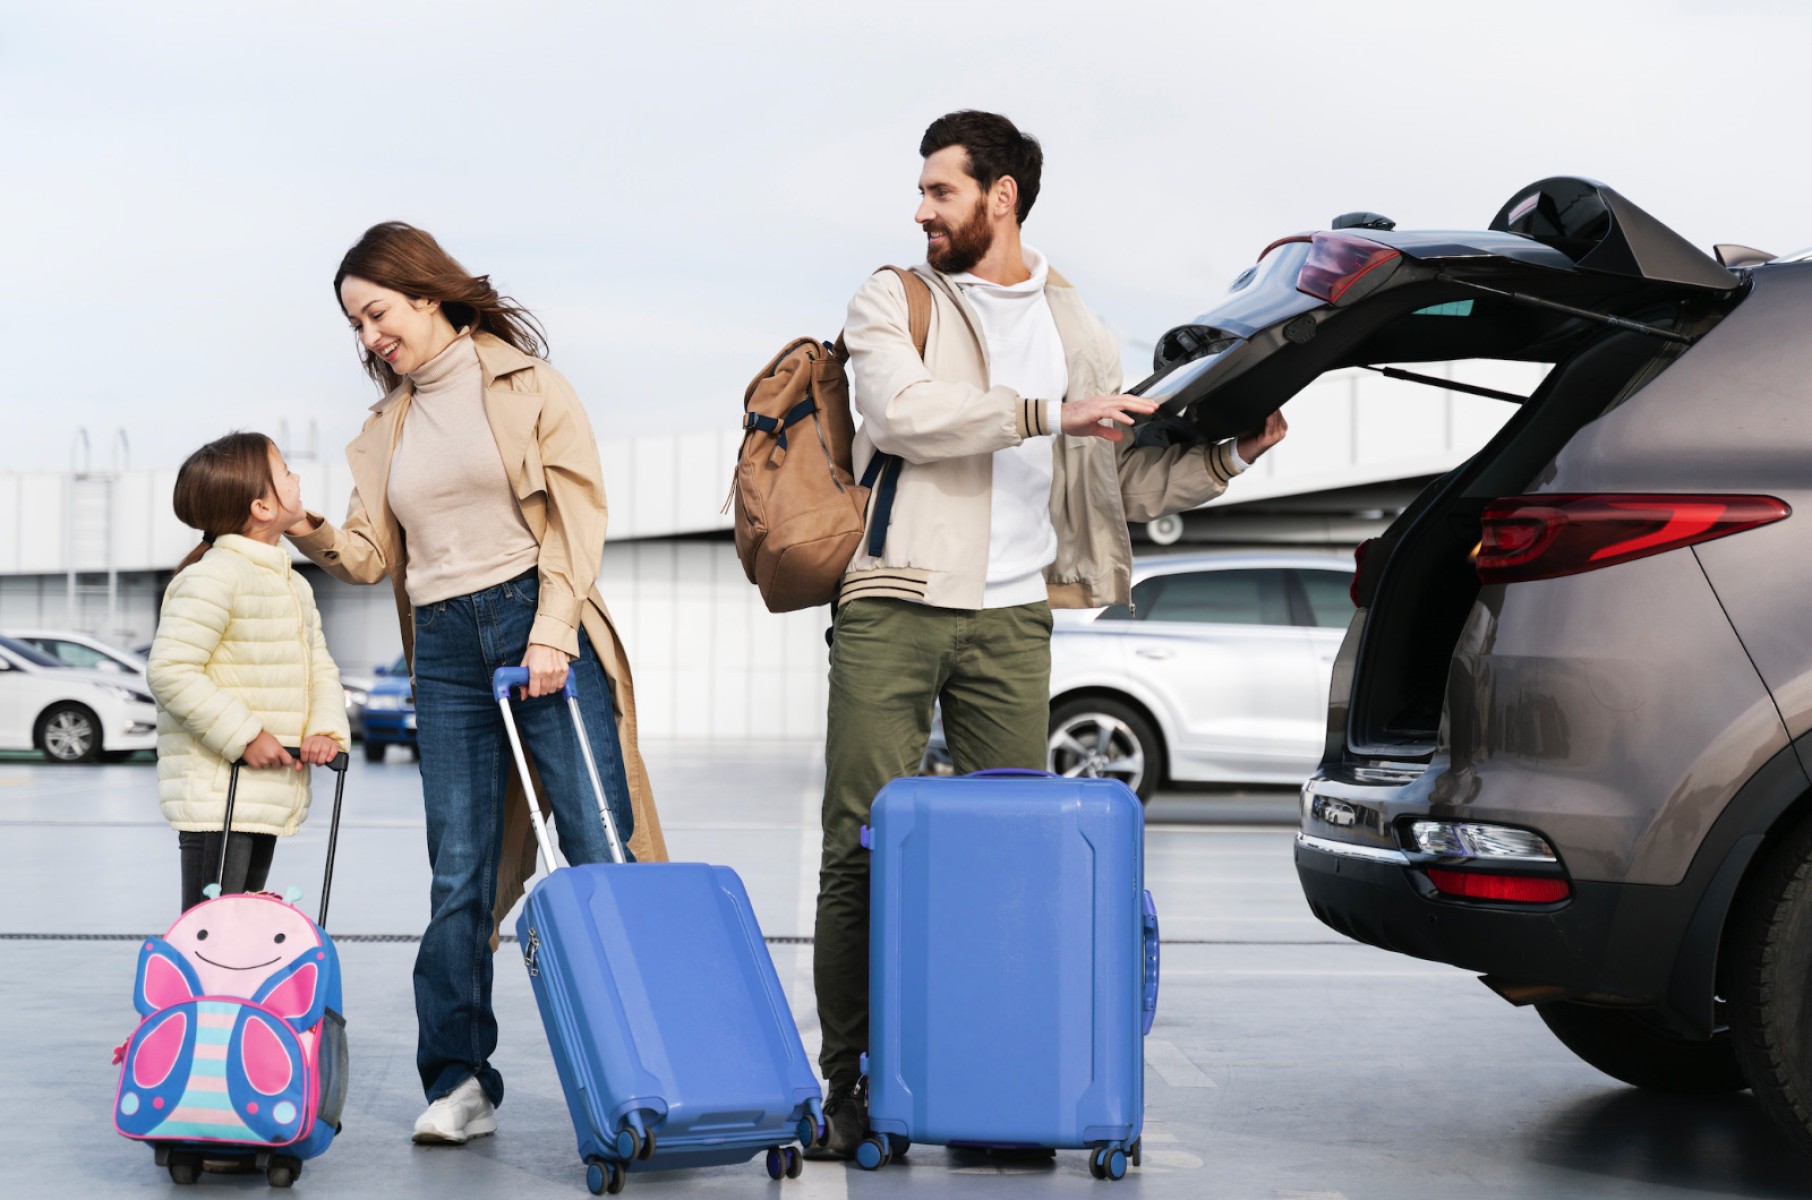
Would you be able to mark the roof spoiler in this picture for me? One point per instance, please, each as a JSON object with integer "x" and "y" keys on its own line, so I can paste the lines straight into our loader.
{"x": 1601, "y": 231}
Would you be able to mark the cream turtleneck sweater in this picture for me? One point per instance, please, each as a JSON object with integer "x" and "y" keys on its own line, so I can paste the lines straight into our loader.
{"x": 448, "y": 488}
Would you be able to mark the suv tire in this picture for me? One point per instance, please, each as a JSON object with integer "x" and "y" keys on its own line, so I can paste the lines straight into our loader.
{"x": 1629, "y": 1045}
{"x": 1091, "y": 719}
{"x": 1770, "y": 960}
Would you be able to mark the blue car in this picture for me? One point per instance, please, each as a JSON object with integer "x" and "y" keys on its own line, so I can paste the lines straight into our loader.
{"x": 389, "y": 712}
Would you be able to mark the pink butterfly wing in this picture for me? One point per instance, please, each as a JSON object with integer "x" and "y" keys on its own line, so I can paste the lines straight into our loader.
{"x": 164, "y": 984}
{"x": 158, "y": 1051}
{"x": 296, "y": 995}
{"x": 267, "y": 1066}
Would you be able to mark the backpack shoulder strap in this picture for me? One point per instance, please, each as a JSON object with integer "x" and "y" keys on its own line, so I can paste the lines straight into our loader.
{"x": 918, "y": 311}
{"x": 918, "y": 306}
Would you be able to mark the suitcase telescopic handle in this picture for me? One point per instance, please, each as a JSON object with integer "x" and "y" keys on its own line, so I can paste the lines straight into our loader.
{"x": 336, "y": 764}
{"x": 502, "y": 680}
{"x": 1149, "y": 923}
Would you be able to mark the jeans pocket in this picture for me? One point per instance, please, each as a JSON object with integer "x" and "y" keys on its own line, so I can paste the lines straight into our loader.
{"x": 525, "y": 591}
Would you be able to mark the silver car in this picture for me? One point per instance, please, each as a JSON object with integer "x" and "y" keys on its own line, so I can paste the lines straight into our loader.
{"x": 1217, "y": 672}
{"x": 1570, "y": 726}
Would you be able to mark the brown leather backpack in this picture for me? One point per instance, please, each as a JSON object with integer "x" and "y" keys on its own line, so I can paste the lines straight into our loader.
{"x": 799, "y": 510}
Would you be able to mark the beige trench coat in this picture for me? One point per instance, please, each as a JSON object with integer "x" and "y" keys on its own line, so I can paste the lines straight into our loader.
{"x": 551, "y": 458}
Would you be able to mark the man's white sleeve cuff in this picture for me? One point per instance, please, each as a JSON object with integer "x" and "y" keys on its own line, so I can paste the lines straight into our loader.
{"x": 1240, "y": 465}
{"x": 1053, "y": 416}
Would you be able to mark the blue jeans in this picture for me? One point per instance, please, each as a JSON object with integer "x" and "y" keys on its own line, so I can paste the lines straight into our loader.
{"x": 466, "y": 765}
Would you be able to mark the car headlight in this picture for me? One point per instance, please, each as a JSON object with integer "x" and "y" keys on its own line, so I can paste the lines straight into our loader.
{"x": 357, "y": 696}
{"x": 125, "y": 693}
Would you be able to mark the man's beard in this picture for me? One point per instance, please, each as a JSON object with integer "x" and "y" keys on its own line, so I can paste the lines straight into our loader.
{"x": 965, "y": 245}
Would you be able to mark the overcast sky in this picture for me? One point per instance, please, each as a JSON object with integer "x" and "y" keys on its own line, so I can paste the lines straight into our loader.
{"x": 677, "y": 188}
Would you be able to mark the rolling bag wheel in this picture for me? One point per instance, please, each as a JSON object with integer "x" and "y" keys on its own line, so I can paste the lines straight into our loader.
{"x": 811, "y": 1134}
{"x": 872, "y": 1154}
{"x": 184, "y": 1169}
{"x": 795, "y": 1161}
{"x": 897, "y": 1146}
{"x": 603, "y": 1176}
{"x": 647, "y": 1151}
{"x": 628, "y": 1144}
{"x": 282, "y": 1174}
{"x": 1114, "y": 1164}
{"x": 1138, "y": 1143}
{"x": 1097, "y": 1165}
{"x": 619, "y": 1178}
{"x": 776, "y": 1163}
{"x": 594, "y": 1176}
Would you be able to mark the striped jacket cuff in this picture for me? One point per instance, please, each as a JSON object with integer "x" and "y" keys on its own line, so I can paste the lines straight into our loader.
{"x": 1034, "y": 418}
{"x": 1223, "y": 462}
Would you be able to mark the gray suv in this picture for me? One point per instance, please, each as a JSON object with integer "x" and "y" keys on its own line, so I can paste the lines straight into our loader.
{"x": 1571, "y": 722}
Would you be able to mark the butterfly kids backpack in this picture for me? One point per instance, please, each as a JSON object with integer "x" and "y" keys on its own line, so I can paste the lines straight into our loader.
{"x": 241, "y": 1053}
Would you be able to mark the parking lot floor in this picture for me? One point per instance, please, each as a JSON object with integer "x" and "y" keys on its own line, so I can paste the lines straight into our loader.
{"x": 1286, "y": 1062}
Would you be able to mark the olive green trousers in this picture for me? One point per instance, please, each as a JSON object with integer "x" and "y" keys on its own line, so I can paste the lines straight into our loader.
{"x": 889, "y": 661}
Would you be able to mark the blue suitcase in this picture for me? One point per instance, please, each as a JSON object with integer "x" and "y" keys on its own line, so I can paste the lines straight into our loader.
{"x": 671, "y": 1034}
{"x": 1013, "y": 966}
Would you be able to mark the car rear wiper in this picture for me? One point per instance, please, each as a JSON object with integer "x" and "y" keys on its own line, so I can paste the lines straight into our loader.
{"x": 1583, "y": 313}
{"x": 1448, "y": 384}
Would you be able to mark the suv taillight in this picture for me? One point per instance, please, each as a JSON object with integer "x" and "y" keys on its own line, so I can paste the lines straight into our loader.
{"x": 1542, "y": 537}
{"x": 1337, "y": 261}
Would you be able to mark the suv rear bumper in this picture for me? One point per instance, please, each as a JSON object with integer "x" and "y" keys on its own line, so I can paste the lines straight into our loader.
{"x": 1370, "y": 897}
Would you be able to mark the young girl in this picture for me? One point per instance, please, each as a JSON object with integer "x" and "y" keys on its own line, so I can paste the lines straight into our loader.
{"x": 239, "y": 668}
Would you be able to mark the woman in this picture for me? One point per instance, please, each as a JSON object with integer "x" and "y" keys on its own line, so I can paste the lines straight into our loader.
{"x": 477, "y": 492}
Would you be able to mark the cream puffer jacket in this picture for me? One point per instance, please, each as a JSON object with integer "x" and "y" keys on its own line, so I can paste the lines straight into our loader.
{"x": 239, "y": 650}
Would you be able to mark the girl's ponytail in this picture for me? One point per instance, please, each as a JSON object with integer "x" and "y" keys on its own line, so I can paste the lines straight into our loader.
{"x": 216, "y": 485}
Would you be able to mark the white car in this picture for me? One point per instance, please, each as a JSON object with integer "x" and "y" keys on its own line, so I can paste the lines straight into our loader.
{"x": 69, "y": 714}
{"x": 1217, "y": 672}
{"x": 79, "y": 650}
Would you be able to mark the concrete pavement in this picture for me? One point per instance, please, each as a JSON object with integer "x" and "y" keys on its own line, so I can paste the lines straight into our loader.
{"x": 1286, "y": 1061}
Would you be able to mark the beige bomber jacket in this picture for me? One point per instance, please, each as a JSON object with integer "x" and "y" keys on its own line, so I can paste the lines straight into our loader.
{"x": 942, "y": 417}
{"x": 239, "y": 651}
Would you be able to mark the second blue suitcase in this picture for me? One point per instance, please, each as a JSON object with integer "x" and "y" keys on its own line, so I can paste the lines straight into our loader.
{"x": 1013, "y": 966}
{"x": 668, "y": 1026}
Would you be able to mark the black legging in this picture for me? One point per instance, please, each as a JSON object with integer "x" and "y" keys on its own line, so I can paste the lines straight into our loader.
{"x": 248, "y": 863}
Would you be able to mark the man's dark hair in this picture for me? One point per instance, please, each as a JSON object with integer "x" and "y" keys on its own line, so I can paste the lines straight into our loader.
{"x": 996, "y": 149}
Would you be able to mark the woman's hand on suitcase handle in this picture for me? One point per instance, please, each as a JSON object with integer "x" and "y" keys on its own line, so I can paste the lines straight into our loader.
{"x": 547, "y": 668}
{"x": 267, "y": 751}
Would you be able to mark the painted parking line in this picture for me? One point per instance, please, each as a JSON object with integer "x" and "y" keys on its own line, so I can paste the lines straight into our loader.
{"x": 1174, "y": 1066}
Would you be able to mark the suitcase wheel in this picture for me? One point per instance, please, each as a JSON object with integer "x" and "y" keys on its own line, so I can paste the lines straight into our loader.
{"x": 184, "y": 1168}
{"x": 283, "y": 1172}
{"x": 1107, "y": 1162}
{"x": 605, "y": 1177}
{"x": 795, "y": 1162}
{"x": 632, "y": 1145}
{"x": 873, "y": 1153}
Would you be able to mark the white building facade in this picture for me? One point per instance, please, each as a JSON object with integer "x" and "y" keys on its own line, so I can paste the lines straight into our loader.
{"x": 92, "y": 550}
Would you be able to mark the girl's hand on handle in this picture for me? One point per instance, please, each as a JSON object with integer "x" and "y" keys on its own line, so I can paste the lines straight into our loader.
{"x": 318, "y": 750}
{"x": 547, "y": 669}
{"x": 267, "y": 751}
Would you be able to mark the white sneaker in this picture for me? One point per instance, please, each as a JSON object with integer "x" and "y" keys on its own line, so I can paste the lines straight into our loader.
{"x": 461, "y": 1114}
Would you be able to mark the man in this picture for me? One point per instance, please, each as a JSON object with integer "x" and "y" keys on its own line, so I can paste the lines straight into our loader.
{"x": 1017, "y": 484}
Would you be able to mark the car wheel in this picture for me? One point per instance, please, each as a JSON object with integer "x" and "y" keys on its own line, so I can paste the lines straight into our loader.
{"x": 1770, "y": 970}
{"x": 1632, "y": 1046}
{"x": 69, "y": 733}
{"x": 1097, "y": 736}
{"x": 374, "y": 751}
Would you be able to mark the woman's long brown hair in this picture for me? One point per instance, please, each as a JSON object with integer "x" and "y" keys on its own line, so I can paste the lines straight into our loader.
{"x": 216, "y": 485}
{"x": 405, "y": 259}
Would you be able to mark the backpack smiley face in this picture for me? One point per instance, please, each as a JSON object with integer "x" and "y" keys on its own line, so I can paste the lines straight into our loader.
{"x": 238, "y": 941}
